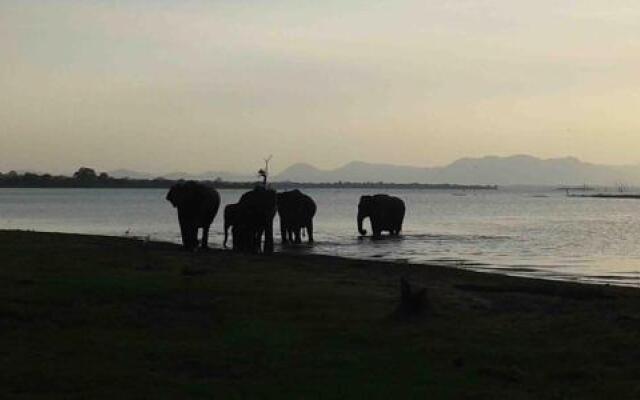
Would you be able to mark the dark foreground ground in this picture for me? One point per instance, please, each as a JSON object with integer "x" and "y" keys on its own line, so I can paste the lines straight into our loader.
{"x": 85, "y": 317}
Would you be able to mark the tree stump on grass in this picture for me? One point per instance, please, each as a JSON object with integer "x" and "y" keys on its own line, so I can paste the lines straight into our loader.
{"x": 413, "y": 301}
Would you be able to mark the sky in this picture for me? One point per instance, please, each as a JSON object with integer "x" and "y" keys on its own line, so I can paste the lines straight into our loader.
{"x": 195, "y": 86}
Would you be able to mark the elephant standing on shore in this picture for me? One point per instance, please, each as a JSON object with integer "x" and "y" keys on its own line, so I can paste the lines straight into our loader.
{"x": 197, "y": 206}
{"x": 385, "y": 212}
{"x": 254, "y": 219}
{"x": 296, "y": 211}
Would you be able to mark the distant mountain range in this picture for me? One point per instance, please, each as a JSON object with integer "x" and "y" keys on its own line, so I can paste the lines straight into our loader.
{"x": 513, "y": 170}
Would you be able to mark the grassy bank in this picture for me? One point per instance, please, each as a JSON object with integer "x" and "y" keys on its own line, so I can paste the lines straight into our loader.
{"x": 95, "y": 317}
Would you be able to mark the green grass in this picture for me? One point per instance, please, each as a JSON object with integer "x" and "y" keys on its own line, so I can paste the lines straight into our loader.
{"x": 101, "y": 318}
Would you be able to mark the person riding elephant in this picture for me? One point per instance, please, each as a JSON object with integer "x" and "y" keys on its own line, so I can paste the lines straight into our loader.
{"x": 230, "y": 219}
{"x": 255, "y": 212}
{"x": 385, "y": 212}
{"x": 296, "y": 211}
{"x": 197, "y": 206}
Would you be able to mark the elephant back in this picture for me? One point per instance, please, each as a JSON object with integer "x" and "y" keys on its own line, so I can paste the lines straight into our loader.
{"x": 383, "y": 204}
{"x": 294, "y": 203}
{"x": 258, "y": 201}
{"x": 195, "y": 199}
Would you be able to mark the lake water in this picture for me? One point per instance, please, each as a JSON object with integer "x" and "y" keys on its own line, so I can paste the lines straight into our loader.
{"x": 518, "y": 232}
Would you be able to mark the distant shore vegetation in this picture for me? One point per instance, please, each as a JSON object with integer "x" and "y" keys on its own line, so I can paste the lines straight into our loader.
{"x": 88, "y": 178}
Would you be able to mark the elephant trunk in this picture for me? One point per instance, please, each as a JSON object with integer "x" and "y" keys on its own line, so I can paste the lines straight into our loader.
{"x": 361, "y": 217}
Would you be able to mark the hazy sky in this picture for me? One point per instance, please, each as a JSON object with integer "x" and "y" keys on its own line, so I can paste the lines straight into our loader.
{"x": 219, "y": 85}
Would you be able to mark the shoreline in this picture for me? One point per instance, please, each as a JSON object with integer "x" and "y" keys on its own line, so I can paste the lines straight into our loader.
{"x": 376, "y": 264}
{"x": 301, "y": 252}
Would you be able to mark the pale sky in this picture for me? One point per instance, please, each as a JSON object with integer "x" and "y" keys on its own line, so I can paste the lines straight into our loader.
{"x": 163, "y": 85}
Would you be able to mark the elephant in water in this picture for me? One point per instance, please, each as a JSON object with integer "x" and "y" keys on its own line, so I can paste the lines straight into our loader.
{"x": 254, "y": 219}
{"x": 197, "y": 206}
{"x": 385, "y": 212}
{"x": 296, "y": 211}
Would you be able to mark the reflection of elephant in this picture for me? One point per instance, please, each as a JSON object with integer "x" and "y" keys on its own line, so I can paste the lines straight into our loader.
{"x": 385, "y": 212}
{"x": 197, "y": 206}
{"x": 230, "y": 219}
{"x": 296, "y": 211}
{"x": 254, "y": 218}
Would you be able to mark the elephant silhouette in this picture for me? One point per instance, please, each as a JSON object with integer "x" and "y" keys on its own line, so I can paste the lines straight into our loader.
{"x": 296, "y": 211}
{"x": 385, "y": 212}
{"x": 253, "y": 217}
{"x": 197, "y": 207}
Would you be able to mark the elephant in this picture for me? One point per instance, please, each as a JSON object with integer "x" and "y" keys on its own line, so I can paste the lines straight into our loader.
{"x": 230, "y": 219}
{"x": 197, "y": 206}
{"x": 385, "y": 212}
{"x": 254, "y": 219}
{"x": 296, "y": 211}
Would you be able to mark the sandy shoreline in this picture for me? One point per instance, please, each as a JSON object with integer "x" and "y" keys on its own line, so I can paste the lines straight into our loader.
{"x": 462, "y": 265}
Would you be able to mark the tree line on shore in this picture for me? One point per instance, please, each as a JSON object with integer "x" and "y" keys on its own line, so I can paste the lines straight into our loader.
{"x": 88, "y": 178}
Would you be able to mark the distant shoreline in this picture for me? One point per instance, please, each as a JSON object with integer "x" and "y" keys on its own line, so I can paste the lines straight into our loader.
{"x": 91, "y": 180}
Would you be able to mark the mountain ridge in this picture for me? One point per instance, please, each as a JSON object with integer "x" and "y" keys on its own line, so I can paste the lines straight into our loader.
{"x": 518, "y": 169}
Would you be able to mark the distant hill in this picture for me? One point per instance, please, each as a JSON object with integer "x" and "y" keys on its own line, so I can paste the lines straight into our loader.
{"x": 355, "y": 171}
{"x": 513, "y": 170}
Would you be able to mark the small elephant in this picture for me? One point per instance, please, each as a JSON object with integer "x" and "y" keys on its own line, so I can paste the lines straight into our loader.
{"x": 385, "y": 212}
{"x": 254, "y": 219}
{"x": 296, "y": 211}
{"x": 230, "y": 219}
{"x": 197, "y": 206}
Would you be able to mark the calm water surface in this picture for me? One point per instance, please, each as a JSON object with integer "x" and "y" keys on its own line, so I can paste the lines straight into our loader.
{"x": 512, "y": 231}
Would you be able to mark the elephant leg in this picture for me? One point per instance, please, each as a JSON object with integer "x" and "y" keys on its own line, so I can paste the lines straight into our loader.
{"x": 205, "y": 237}
{"x": 226, "y": 233}
{"x": 246, "y": 239}
{"x": 377, "y": 230}
{"x": 283, "y": 232}
{"x": 310, "y": 231}
{"x": 291, "y": 235}
{"x": 236, "y": 237}
{"x": 256, "y": 242}
{"x": 185, "y": 237}
{"x": 268, "y": 237}
{"x": 296, "y": 232}
{"x": 194, "y": 237}
{"x": 191, "y": 233}
{"x": 184, "y": 231}
{"x": 248, "y": 242}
